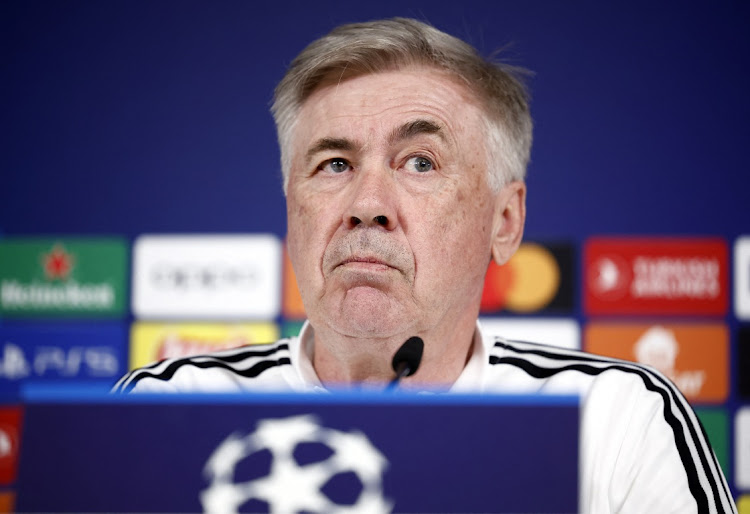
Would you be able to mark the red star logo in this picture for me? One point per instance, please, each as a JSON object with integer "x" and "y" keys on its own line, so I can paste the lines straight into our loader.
{"x": 57, "y": 263}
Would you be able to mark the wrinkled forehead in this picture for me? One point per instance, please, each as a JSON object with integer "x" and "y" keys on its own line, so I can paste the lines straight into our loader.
{"x": 335, "y": 78}
{"x": 389, "y": 97}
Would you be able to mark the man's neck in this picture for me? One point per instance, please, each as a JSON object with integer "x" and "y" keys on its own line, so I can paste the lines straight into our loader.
{"x": 345, "y": 361}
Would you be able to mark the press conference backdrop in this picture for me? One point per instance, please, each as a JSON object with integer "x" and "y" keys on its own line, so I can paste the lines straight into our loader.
{"x": 141, "y": 213}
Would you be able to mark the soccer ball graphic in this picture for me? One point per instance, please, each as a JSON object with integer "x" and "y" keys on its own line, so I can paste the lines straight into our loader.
{"x": 290, "y": 485}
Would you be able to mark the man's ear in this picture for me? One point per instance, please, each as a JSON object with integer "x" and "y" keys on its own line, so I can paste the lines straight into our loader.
{"x": 508, "y": 222}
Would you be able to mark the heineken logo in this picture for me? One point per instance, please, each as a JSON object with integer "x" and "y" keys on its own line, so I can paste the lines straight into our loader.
{"x": 57, "y": 263}
{"x": 16, "y": 295}
{"x": 75, "y": 277}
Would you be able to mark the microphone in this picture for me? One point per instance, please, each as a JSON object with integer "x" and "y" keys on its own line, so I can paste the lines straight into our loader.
{"x": 406, "y": 359}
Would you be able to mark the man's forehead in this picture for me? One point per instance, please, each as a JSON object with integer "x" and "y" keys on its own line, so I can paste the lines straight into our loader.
{"x": 344, "y": 80}
{"x": 396, "y": 104}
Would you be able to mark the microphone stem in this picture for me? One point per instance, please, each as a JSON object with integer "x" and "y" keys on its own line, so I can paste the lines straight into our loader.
{"x": 402, "y": 371}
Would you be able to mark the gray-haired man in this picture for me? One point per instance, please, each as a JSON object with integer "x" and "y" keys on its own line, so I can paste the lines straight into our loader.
{"x": 403, "y": 155}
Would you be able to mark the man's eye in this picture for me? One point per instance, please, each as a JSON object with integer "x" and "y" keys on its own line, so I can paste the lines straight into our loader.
{"x": 335, "y": 165}
{"x": 419, "y": 164}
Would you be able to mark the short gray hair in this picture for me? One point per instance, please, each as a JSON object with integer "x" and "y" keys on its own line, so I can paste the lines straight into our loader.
{"x": 385, "y": 45}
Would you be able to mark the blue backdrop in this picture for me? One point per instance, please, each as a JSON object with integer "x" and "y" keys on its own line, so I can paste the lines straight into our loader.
{"x": 128, "y": 117}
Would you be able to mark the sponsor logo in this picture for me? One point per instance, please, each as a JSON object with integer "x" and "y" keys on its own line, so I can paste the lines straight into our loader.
{"x": 742, "y": 278}
{"x": 208, "y": 276}
{"x": 71, "y": 277}
{"x": 655, "y": 276}
{"x": 743, "y": 504}
{"x": 100, "y": 361}
{"x": 293, "y": 308}
{"x": 331, "y": 470}
{"x": 538, "y": 277}
{"x": 60, "y": 351}
{"x": 694, "y": 356}
{"x": 17, "y": 296}
{"x": 564, "y": 333}
{"x": 7, "y": 501}
{"x": 716, "y": 423}
{"x": 57, "y": 263}
{"x": 610, "y": 277}
{"x": 10, "y": 434}
{"x": 742, "y": 448}
{"x": 202, "y": 277}
{"x": 154, "y": 341}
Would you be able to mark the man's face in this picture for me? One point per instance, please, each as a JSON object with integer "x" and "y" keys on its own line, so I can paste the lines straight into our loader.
{"x": 390, "y": 216}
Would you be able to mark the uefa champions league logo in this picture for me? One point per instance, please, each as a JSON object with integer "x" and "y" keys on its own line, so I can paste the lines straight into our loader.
{"x": 289, "y": 485}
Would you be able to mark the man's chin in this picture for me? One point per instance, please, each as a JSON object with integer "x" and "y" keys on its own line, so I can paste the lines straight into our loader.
{"x": 368, "y": 312}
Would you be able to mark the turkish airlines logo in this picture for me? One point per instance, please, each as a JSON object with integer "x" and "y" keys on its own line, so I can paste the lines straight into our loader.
{"x": 296, "y": 465}
{"x": 610, "y": 277}
{"x": 694, "y": 356}
{"x": 650, "y": 276}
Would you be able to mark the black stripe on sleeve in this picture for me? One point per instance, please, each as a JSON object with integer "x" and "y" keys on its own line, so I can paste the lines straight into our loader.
{"x": 251, "y": 372}
{"x": 669, "y": 397}
{"x": 127, "y": 383}
{"x": 126, "y": 378}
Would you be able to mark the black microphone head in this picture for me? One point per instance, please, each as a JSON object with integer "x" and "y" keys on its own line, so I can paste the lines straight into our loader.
{"x": 409, "y": 355}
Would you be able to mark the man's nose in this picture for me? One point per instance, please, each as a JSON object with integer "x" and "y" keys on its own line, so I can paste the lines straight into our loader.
{"x": 373, "y": 200}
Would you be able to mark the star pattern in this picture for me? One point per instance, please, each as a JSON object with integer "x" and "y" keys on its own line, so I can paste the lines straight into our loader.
{"x": 57, "y": 263}
{"x": 289, "y": 486}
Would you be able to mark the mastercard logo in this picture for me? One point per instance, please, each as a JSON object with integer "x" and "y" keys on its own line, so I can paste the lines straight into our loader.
{"x": 529, "y": 282}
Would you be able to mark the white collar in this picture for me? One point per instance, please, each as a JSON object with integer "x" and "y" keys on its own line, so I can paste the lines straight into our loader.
{"x": 303, "y": 354}
{"x": 471, "y": 378}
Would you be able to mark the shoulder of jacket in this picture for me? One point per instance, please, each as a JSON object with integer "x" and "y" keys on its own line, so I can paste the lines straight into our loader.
{"x": 247, "y": 361}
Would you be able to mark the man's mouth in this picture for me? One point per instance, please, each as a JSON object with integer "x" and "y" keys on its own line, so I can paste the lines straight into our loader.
{"x": 366, "y": 263}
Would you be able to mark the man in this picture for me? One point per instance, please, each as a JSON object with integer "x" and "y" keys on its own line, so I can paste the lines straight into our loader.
{"x": 403, "y": 156}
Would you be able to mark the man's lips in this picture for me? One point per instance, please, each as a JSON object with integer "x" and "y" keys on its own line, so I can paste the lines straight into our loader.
{"x": 366, "y": 262}
{"x": 367, "y": 252}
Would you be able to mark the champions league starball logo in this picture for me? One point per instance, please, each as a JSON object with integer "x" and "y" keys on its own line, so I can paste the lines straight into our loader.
{"x": 289, "y": 480}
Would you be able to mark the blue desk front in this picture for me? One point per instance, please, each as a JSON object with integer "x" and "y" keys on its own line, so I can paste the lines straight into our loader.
{"x": 88, "y": 452}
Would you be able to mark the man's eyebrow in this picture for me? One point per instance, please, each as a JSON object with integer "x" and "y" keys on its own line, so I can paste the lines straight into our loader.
{"x": 415, "y": 128}
{"x": 329, "y": 143}
{"x": 404, "y": 132}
